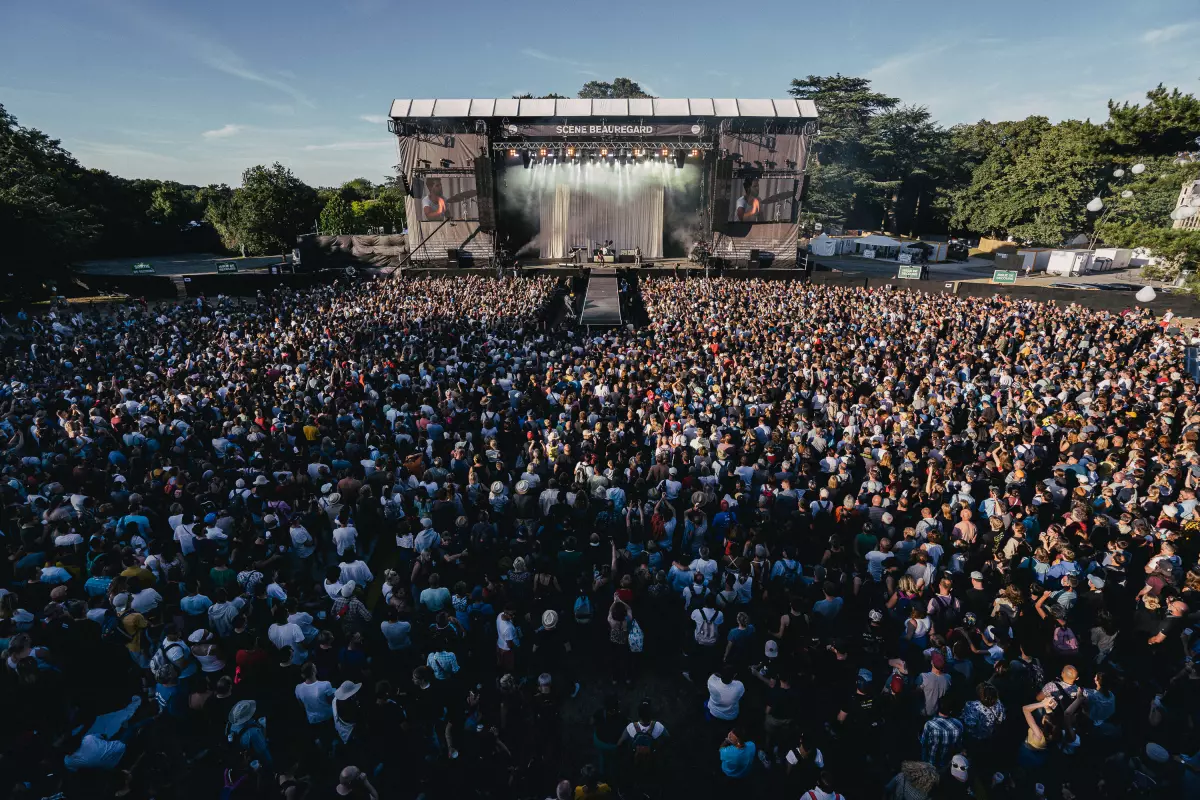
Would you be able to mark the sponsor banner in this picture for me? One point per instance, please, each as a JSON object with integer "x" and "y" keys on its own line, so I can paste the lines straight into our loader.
{"x": 603, "y": 129}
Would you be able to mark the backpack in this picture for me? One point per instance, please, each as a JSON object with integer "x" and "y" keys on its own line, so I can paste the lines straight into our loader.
{"x": 113, "y": 629}
{"x": 696, "y": 603}
{"x": 637, "y": 639}
{"x": 790, "y": 572}
{"x": 1065, "y": 643}
{"x": 643, "y": 742}
{"x": 945, "y": 613}
{"x": 582, "y": 609}
{"x": 707, "y": 632}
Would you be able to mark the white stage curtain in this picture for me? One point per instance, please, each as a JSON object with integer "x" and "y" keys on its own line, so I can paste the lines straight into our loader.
{"x": 571, "y": 216}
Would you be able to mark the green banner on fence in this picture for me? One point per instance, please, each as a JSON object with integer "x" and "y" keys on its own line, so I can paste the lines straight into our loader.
{"x": 143, "y": 269}
{"x": 226, "y": 267}
{"x": 1004, "y": 276}
{"x": 912, "y": 273}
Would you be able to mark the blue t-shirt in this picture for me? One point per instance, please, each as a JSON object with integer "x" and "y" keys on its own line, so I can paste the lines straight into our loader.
{"x": 736, "y": 762}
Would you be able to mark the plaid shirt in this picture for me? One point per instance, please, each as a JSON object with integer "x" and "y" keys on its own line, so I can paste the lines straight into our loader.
{"x": 939, "y": 740}
{"x": 443, "y": 663}
{"x": 351, "y": 613}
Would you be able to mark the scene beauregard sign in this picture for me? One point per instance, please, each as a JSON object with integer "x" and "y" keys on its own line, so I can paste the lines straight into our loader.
{"x": 606, "y": 129}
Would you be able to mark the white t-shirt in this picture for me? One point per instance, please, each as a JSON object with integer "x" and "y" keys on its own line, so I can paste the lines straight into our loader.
{"x": 345, "y": 539}
{"x": 288, "y": 635}
{"x": 793, "y": 758}
{"x": 656, "y": 729}
{"x": 723, "y": 698}
{"x": 506, "y": 633}
{"x": 317, "y": 699}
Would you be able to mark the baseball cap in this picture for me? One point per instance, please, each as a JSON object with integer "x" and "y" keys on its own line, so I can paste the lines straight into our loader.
{"x": 959, "y": 765}
{"x": 772, "y": 649}
{"x": 976, "y": 575}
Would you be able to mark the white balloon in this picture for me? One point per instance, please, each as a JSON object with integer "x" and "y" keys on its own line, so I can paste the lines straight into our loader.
{"x": 1138, "y": 169}
{"x": 1118, "y": 173}
{"x": 1128, "y": 193}
{"x": 1145, "y": 294}
{"x": 1095, "y": 204}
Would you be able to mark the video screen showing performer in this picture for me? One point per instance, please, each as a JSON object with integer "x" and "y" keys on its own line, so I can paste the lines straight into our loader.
{"x": 433, "y": 205}
{"x": 448, "y": 197}
{"x": 763, "y": 199}
{"x": 748, "y": 205}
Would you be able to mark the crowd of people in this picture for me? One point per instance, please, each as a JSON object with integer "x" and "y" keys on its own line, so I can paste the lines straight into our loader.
{"x": 412, "y": 537}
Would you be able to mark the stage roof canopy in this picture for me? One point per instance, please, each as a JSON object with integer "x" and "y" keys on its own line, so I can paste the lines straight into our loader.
{"x": 786, "y": 108}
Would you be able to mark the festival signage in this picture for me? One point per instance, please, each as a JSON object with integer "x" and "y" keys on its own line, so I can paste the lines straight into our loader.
{"x": 1004, "y": 276}
{"x": 912, "y": 273}
{"x": 226, "y": 268}
{"x": 612, "y": 129}
{"x": 143, "y": 268}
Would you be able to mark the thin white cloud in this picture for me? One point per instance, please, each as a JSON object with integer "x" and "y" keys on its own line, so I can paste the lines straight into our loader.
{"x": 374, "y": 119}
{"x": 1168, "y": 33}
{"x": 207, "y": 51}
{"x": 540, "y": 56}
{"x": 224, "y": 132}
{"x": 371, "y": 144}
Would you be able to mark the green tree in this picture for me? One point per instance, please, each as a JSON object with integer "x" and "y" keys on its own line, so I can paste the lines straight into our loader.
{"x": 337, "y": 218}
{"x": 272, "y": 206}
{"x": 906, "y": 158}
{"x": 620, "y": 87}
{"x": 358, "y": 189}
{"x": 221, "y": 212}
{"x": 1168, "y": 123}
{"x": 43, "y": 216}
{"x": 528, "y": 96}
{"x": 838, "y": 170}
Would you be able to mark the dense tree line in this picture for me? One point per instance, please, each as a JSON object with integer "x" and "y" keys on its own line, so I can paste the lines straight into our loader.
{"x": 879, "y": 163}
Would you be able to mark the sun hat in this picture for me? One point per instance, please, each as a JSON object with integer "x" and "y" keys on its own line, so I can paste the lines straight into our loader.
{"x": 242, "y": 713}
{"x": 549, "y": 619}
{"x": 347, "y": 690}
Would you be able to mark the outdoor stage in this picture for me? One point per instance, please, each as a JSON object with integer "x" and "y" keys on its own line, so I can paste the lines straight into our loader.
{"x": 551, "y": 182}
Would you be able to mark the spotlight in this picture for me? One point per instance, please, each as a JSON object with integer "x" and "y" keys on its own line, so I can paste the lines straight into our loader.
{"x": 637, "y": 152}
{"x": 603, "y": 152}
{"x": 512, "y": 153}
{"x": 570, "y": 152}
{"x": 695, "y": 153}
{"x": 542, "y": 152}
{"x": 665, "y": 152}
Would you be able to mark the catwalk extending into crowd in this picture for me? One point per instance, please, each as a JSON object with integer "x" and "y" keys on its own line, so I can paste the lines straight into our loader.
{"x": 407, "y": 537}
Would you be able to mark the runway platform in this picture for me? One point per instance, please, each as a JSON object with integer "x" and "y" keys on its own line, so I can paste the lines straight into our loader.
{"x": 602, "y": 300}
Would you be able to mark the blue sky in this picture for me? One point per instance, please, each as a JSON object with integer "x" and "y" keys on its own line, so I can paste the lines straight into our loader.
{"x": 198, "y": 91}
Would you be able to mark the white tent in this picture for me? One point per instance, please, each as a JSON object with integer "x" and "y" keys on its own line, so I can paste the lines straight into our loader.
{"x": 824, "y": 245}
{"x": 876, "y": 246}
{"x": 875, "y": 240}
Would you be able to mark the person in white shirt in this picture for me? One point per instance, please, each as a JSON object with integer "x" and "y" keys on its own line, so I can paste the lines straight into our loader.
{"x": 283, "y": 633}
{"x": 185, "y": 536}
{"x": 345, "y": 537}
{"x": 355, "y": 569}
{"x": 725, "y": 693}
{"x": 144, "y": 600}
{"x": 316, "y": 696}
{"x": 704, "y": 565}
